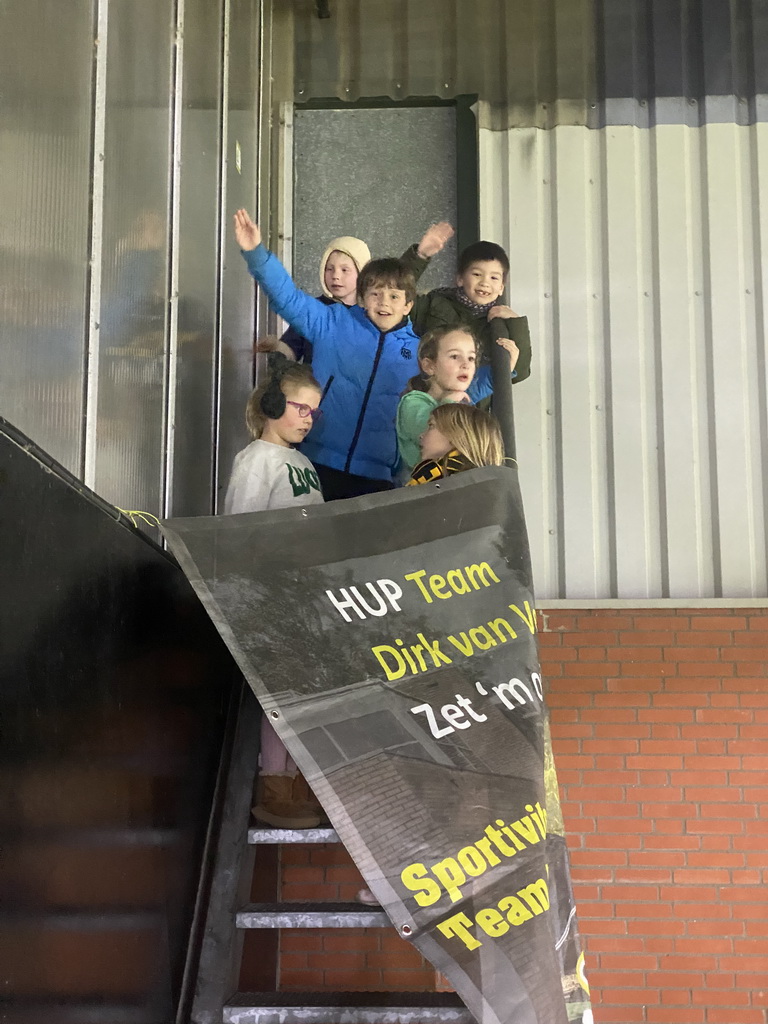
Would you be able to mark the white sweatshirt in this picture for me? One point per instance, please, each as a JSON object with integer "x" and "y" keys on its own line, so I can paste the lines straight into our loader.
{"x": 267, "y": 475}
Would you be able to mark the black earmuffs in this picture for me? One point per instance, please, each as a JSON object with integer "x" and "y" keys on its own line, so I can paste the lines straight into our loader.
{"x": 273, "y": 400}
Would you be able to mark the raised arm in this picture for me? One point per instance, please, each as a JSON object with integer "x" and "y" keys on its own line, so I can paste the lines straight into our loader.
{"x": 310, "y": 317}
{"x": 417, "y": 256}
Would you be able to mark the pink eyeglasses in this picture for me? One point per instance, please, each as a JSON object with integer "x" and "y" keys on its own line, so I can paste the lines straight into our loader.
{"x": 305, "y": 410}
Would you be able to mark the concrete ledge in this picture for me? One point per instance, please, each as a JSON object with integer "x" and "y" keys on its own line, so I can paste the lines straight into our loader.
{"x": 648, "y": 604}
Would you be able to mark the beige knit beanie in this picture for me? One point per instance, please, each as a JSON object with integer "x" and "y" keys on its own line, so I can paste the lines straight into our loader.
{"x": 355, "y": 248}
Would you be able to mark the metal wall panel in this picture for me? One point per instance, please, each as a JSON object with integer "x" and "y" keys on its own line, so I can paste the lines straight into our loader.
{"x": 636, "y": 255}
{"x": 198, "y": 254}
{"x": 134, "y": 284}
{"x": 339, "y": 190}
{"x": 44, "y": 186}
{"x": 240, "y": 176}
{"x": 545, "y": 62}
{"x": 522, "y": 56}
{"x": 117, "y": 317}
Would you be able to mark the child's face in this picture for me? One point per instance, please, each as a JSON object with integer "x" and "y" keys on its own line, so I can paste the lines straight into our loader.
{"x": 482, "y": 281}
{"x": 454, "y": 367}
{"x": 386, "y": 306}
{"x": 296, "y": 422}
{"x": 341, "y": 277}
{"x": 434, "y": 445}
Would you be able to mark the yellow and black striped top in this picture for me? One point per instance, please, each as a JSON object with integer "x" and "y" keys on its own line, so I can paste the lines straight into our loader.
{"x": 430, "y": 469}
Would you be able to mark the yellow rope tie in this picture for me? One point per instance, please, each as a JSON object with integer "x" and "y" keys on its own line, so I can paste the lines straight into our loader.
{"x": 135, "y": 514}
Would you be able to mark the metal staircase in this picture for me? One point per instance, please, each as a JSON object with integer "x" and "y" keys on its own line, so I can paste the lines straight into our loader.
{"x": 230, "y": 915}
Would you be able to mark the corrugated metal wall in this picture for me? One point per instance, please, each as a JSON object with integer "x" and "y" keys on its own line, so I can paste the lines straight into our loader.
{"x": 623, "y": 163}
{"x": 637, "y": 255}
{"x": 125, "y": 322}
{"x": 544, "y": 62}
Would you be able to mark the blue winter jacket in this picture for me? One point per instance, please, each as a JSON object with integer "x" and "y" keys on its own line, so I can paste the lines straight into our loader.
{"x": 362, "y": 371}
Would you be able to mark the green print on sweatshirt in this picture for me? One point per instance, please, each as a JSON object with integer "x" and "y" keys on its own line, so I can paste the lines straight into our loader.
{"x": 302, "y": 480}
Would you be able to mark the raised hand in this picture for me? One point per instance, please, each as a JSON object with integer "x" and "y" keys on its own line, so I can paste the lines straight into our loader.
{"x": 246, "y": 232}
{"x": 434, "y": 239}
{"x": 511, "y": 347}
{"x": 506, "y": 311}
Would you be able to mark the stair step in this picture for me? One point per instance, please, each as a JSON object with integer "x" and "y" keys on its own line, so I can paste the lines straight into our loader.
{"x": 257, "y": 836}
{"x": 64, "y": 1012}
{"x": 346, "y": 1008}
{"x": 107, "y": 920}
{"x": 90, "y": 837}
{"x": 311, "y": 915}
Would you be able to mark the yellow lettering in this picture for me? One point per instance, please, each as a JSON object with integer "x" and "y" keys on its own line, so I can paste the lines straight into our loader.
{"x": 450, "y": 876}
{"x": 496, "y": 627}
{"x": 436, "y": 584}
{"x": 528, "y": 616}
{"x": 517, "y": 913}
{"x": 536, "y": 895}
{"x": 481, "y": 572}
{"x": 415, "y": 577}
{"x": 414, "y": 877}
{"x": 472, "y": 861}
{"x": 456, "y": 580}
{"x": 492, "y": 923}
{"x": 458, "y": 926}
{"x": 481, "y": 638}
{"x": 383, "y": 652}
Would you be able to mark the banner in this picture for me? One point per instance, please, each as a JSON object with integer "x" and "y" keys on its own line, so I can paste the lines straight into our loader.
{"x": 392, "y": 641}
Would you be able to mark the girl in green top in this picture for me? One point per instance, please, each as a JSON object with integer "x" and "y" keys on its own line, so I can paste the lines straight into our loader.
{"x": 448, "y": 361}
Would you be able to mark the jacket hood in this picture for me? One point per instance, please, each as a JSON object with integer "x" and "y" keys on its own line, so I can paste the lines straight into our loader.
{"x": 355, "y": 248}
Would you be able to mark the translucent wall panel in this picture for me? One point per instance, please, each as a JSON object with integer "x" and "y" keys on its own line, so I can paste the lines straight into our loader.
{"x": 134, "y": 284}
{"x": 636, "y": 255}
{"x": 241, "y": 175}
{"x": 198, "y": 261}
{"x": 44, "y": 194}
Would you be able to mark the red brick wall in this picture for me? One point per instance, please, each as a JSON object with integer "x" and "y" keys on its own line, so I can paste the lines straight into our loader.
{"x": 364, "y": 959}
{"x": 660, "y": 733}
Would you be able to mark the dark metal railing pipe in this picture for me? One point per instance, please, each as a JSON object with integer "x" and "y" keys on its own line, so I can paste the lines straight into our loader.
{"x": 501, "y": 403}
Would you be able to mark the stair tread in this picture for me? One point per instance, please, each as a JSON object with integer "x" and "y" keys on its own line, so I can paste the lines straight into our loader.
{"x": 74, "y": 1011}
{"x": 311, "y": 915}
{"x": 73, "y": 919}
{"x": 258, "y": 835}
{"x": 89, "y": 836}
{"x": 346, "y": 1008}
{"x": 300, "y": 999}
{"x": 310, "y": 906}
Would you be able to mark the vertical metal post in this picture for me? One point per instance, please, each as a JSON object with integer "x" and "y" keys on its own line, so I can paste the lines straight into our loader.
{"x": 222, "y": 227}
{"x": 95, "y": 243}
{"x": 172, "y": 352}
{"x": 501, "y": 403}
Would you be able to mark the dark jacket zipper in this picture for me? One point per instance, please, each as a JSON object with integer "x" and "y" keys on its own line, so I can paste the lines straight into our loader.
{"x": 364, "y": 406}
{"x": 325, "y": 389}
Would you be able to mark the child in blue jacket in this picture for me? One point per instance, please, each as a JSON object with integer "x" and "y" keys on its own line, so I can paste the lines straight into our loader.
{"x": 363, "y": 358}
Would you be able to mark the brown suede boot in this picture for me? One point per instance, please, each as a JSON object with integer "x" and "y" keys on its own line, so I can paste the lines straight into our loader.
{"x": 304, "y": 794}
{"x": 277, "y": 806}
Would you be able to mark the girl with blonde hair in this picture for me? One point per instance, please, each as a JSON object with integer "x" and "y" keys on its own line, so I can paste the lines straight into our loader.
{"x": 457, "y": 437}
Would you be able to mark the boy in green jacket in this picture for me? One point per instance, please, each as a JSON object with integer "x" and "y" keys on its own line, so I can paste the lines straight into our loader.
{"x": 474, "y": 302}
